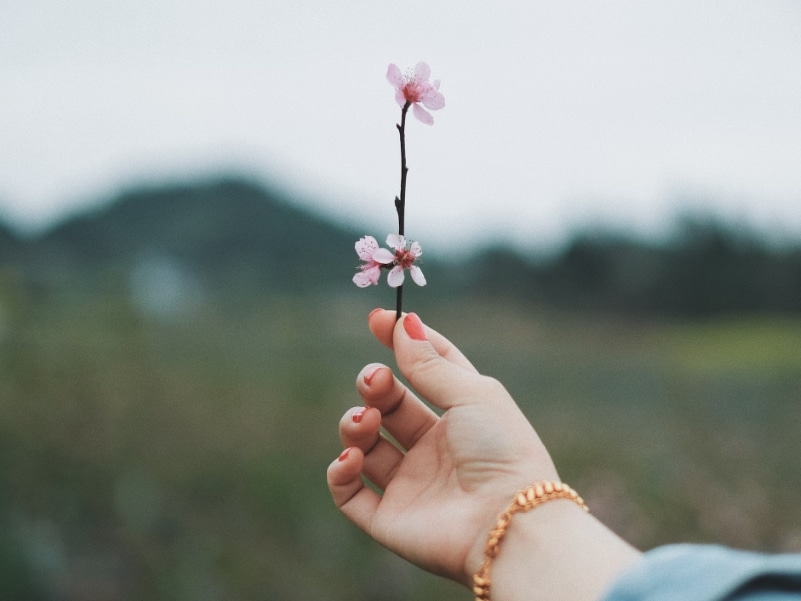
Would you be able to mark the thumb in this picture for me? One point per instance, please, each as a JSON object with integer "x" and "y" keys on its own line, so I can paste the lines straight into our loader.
{"x": 441, "y": 381}
{"x": 382, "y": 324}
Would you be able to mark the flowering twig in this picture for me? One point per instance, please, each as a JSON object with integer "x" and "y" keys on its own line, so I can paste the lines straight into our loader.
{"x": 400, "y": 201}
{"x": 411, "y": 91}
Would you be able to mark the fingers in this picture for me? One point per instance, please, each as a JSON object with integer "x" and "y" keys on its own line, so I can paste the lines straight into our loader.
{"x": 403, "y": 415}
{"x": 359, "y": 428}
{"x": 435, "y": 368}
{"x": 351, "y": 496}
{"x": 382, "y": 324}
{"x": 393, "y": 405}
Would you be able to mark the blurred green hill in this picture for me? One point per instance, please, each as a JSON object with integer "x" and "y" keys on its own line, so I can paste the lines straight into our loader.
{"x": 10, "y": 244}
{"x": 174, "y": 364}
{"x": 225, "y": 233}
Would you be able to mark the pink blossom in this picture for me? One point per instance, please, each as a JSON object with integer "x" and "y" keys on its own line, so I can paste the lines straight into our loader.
{"x": 373, "y": 258}
{"x": 414, "y": 88}
{"x": 405, "y": 256}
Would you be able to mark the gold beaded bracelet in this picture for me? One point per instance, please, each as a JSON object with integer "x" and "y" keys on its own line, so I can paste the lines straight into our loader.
{"x": 524, "y": 500}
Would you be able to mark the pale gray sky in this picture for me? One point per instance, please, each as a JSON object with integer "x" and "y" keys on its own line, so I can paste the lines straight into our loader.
{"x": 558, "y": 113}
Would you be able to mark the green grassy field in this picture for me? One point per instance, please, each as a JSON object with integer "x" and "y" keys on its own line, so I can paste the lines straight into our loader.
{"x": 144, "y": 458}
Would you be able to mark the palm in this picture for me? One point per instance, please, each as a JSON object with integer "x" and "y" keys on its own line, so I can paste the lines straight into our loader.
{"x": 443, "y": 481}
{"x": 417, "y": 516}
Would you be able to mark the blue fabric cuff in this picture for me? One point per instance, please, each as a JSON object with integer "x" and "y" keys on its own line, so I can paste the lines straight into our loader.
{"x": 708, "y": 573}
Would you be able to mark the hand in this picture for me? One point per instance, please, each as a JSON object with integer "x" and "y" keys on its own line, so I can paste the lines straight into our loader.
{"x": 453, "y": 473}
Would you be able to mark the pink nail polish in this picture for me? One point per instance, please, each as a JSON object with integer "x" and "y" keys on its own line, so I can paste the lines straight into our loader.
{"x": 414, "y": 327}
{"x": 373, "y": 312}
{"x": 358, "y": 414}
{"x": 344, "y": 454}
{"x": 371, "y": 371}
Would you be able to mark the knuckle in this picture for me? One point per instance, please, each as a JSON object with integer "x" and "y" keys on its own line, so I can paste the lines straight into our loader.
{"x": 426, "y": 362}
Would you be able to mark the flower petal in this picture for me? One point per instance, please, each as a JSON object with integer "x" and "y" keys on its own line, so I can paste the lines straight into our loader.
{"x": 394, "y": 76}
{"x": 422, "y": 71}
{"x": 417, "y": 275}
{"x": 395, "y": 277}
{"x": 434, "y": 101}
{"x": 396, "y": 241}
{"x": 365, "y": 247}
{"x": 383, "y": 256}
{"x": 363, "y": 279}
{"x": 422, "y": 115}
{"x": 400, "y": 97}
{"x": 415, "y": 249}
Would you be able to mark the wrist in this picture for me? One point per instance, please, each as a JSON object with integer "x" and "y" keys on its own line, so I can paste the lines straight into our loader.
{"x": 556, "y": 551}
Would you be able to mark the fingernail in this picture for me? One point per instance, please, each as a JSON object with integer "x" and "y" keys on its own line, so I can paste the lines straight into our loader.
{"x": 414, "y": 327}
{"x": 344, "y": 454}
{"x": 371, "y": 371}
{"x": 373, "y": 312}
{"x": 358, "y": 414}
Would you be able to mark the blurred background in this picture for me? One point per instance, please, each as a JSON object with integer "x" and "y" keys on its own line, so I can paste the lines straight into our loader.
{"x": 609, "y": 207}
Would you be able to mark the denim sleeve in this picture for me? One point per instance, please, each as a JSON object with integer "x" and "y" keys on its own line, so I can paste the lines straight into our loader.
{"x": 709, "y": 573}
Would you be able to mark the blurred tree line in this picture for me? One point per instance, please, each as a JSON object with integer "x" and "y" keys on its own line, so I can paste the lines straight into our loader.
{"x": 236, "y": 238}
{"x": 706, "y": 268}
